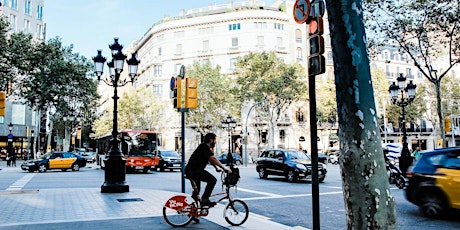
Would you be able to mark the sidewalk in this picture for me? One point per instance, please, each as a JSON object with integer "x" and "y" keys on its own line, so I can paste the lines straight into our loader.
{"x": 88, "y": 208}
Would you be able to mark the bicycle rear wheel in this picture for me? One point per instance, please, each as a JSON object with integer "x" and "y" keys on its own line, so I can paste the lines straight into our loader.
{"x": 178, "y": 218}
{"x": 236, "y": 212}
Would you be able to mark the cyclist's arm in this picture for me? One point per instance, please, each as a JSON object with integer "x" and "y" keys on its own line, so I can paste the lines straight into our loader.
{"x": 216, "y": 163}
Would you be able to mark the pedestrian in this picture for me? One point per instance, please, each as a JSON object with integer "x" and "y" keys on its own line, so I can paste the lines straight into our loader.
{"x": 195, "y": 169}
{"x": 416, "y": 153}
{"x": 13, "y": 160}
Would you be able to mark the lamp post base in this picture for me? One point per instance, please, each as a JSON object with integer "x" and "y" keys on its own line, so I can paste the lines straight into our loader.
{"x": 115, "y": 176}
{"x": 404, "y": 163}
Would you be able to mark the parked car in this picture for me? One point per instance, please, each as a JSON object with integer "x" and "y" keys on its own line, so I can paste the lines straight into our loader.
{"x": 292, "y": 164}
{"x": 169, "y": 159}
{"x": 90, "y": 157}
{"x": 55, "y": 160}
{"x": 434, "y": 182}
{"x": 237, "y": 160}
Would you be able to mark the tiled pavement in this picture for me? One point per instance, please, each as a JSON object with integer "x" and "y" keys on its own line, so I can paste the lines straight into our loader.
{"x": 88, "y": 208}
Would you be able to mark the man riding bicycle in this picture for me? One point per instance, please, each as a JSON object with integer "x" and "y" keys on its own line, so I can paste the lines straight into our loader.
{"x": 195, "y": 169}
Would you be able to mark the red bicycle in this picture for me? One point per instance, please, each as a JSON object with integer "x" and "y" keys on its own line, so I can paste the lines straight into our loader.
{"x": 180, "y": 210}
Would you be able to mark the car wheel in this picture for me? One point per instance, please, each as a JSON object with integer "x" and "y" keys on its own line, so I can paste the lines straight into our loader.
{"x": 75, "y": 167}
{"x": 290, "y": 176}
{"x": 432, "y": 204}
{"x": 42, "y": 168}
{"x": 400, "y": 182}
{"x": 262, "y": 173}
{"x": 31, "y": 170}
{"x": 238, "y": 162}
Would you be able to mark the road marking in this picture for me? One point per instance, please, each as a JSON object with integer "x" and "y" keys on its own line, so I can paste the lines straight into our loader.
{"x": 288, "y": 196}
{"x": 19, "y": 184}
{"x": 258, "y": 192}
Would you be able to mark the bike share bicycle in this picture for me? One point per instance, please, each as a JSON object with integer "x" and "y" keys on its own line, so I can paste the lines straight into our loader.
{"x": 180, "y": 210}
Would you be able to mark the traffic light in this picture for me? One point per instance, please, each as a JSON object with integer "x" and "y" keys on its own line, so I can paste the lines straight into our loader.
{"x": 177, "y": 93}
{"x": 191, "y": 93}
{"x": 316, "y": 60}
{"x": 2, "y": 103}
{"x": 447, "y": 126}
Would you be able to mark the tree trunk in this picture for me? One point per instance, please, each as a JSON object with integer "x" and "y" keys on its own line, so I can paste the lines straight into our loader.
{"x": 437, "y": 85}
{"x": 368, "y": 201}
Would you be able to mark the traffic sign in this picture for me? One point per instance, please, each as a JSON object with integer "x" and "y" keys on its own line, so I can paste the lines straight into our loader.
{"x": 301, "y": 11}
{"x": 10, "y": 137}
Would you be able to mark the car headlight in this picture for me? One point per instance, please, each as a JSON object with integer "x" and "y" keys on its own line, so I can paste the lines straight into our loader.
{"x": 301, "y": 167}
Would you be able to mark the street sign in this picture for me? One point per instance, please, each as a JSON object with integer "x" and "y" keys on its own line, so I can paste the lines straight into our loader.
{"x": 10, "y": 137}
{"x": 301, "y": 11}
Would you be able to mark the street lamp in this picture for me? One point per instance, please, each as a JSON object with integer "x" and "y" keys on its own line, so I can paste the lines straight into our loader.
{"x": 398, "y": 97}
{"x": 71, "y": 118}
{"x": 229, "y": 123}
{"x": 246, "y": 131}
{"x": 115, "y": 171}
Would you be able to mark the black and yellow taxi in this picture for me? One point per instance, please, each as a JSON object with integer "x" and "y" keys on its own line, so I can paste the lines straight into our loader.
{"x": 434, "y": 182}
{"x": 55, "y": 160}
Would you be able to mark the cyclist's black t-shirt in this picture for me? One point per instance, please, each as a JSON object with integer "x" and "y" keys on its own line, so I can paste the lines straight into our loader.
{"x": 199, "y": 158}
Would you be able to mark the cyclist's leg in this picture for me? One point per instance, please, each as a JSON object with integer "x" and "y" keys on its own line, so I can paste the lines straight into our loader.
{"x": 195, "y": 189}
{"x": 210, "y": 183}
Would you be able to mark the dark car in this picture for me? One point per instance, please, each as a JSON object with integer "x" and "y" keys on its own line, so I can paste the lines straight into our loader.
{"x": 55, "y": 160}
{"x": 237, "y": 160}
{"x": 434, "y": 181}
{"x": 292, "y": 164}
{"x": 169, "y": 159}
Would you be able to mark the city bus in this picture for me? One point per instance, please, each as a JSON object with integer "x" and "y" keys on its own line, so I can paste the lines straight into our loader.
{"x": 137, "y": 146}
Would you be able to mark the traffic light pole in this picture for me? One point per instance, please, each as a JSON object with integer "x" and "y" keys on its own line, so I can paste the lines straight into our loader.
{"x": 182, "y": 135}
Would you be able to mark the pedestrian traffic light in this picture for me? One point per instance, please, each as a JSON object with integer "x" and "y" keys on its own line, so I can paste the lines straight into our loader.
{"x": 2, "y": 103}
{"x": 316, "y": 60}
{"x": 447, "y": 126}
{"x": 177, "y": 90}
{"x": 191, "y": 93}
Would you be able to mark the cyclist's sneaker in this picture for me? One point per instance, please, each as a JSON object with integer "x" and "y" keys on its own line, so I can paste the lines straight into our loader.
{"x": 207, "y": 202}
{"x": 197, "y": 221}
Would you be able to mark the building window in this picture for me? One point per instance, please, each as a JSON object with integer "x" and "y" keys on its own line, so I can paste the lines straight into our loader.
{"x": 299, "y": 116}
{"x": 329, "y": 57}
{"x": 39, "y": 31}
{"x": 14, "y": 4}
{"x": 27, "y": 6}
{"x": 260, "y": 41}
{"x": 159, "y": 51}
{"x": 40, "y": 12}
{"x": 260, "y": 25}
{"x": 206, "y": 45}
{"x": 279, "y": 26}
{"x": 177, "y": 68}
{"x": 179, "y": 49}
{"x": 13, "y": 22}
{"x": 235, "y": 26}
{"x": 299, "y": 53}
{"x": 157, "y": 70}
{"x": 282, "y": 135}
{"x": 6, "y": 2}
{"x": 234, "y": 42}
{"x": 298, "y": 35}
{"x": 157, "y": 89}
{"x": 233, "y": 64}
{"x": 26, "y": 26}
{"x": 409, "y": 73}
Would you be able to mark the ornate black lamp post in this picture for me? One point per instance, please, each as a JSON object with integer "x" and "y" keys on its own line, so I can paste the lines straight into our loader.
{"x": 229, "y": 123}
{"x": 399, "y": 98}
{"x": 71, "y": 118}
{"x": 115, "y": 171}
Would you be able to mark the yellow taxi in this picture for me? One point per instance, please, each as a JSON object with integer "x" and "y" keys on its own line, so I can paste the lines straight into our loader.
{"x": 55, "y": 160}
{"x": 434, "y": 182}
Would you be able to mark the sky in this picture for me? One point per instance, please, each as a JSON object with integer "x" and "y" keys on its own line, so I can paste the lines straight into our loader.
{"x": 90, "y": 25}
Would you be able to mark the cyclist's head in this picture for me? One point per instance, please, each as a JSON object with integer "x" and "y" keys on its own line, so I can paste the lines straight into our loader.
{"x": 210, "y": 138}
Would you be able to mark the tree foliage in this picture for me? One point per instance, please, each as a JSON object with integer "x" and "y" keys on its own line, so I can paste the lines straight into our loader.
{"x": 215, "y": 99}
{"x": 265, "y": 78}
{"x": 326, "y": 111}
{"x": 426, "y": 31}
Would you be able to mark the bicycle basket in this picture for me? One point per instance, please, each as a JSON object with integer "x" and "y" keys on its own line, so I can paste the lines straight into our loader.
{"x": 232, "y": 178}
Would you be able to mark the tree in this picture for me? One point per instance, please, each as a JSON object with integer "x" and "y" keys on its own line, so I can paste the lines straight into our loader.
{"x": 368, "y": 201}
{"x": 264, "y": 77}
{"x": 426, "y": 31}
{"x": 215, "y": 99}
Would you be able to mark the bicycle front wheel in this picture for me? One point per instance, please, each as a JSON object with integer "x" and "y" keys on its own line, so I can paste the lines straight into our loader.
{"x": 178, "y": 218}
{"x": 236, "y": 212}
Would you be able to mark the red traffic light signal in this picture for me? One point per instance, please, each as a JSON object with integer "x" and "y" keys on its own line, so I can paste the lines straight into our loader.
{"x": 316, "y": 27}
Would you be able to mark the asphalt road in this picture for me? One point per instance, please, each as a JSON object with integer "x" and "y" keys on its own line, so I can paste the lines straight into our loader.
{"x": 274, "y": 198}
